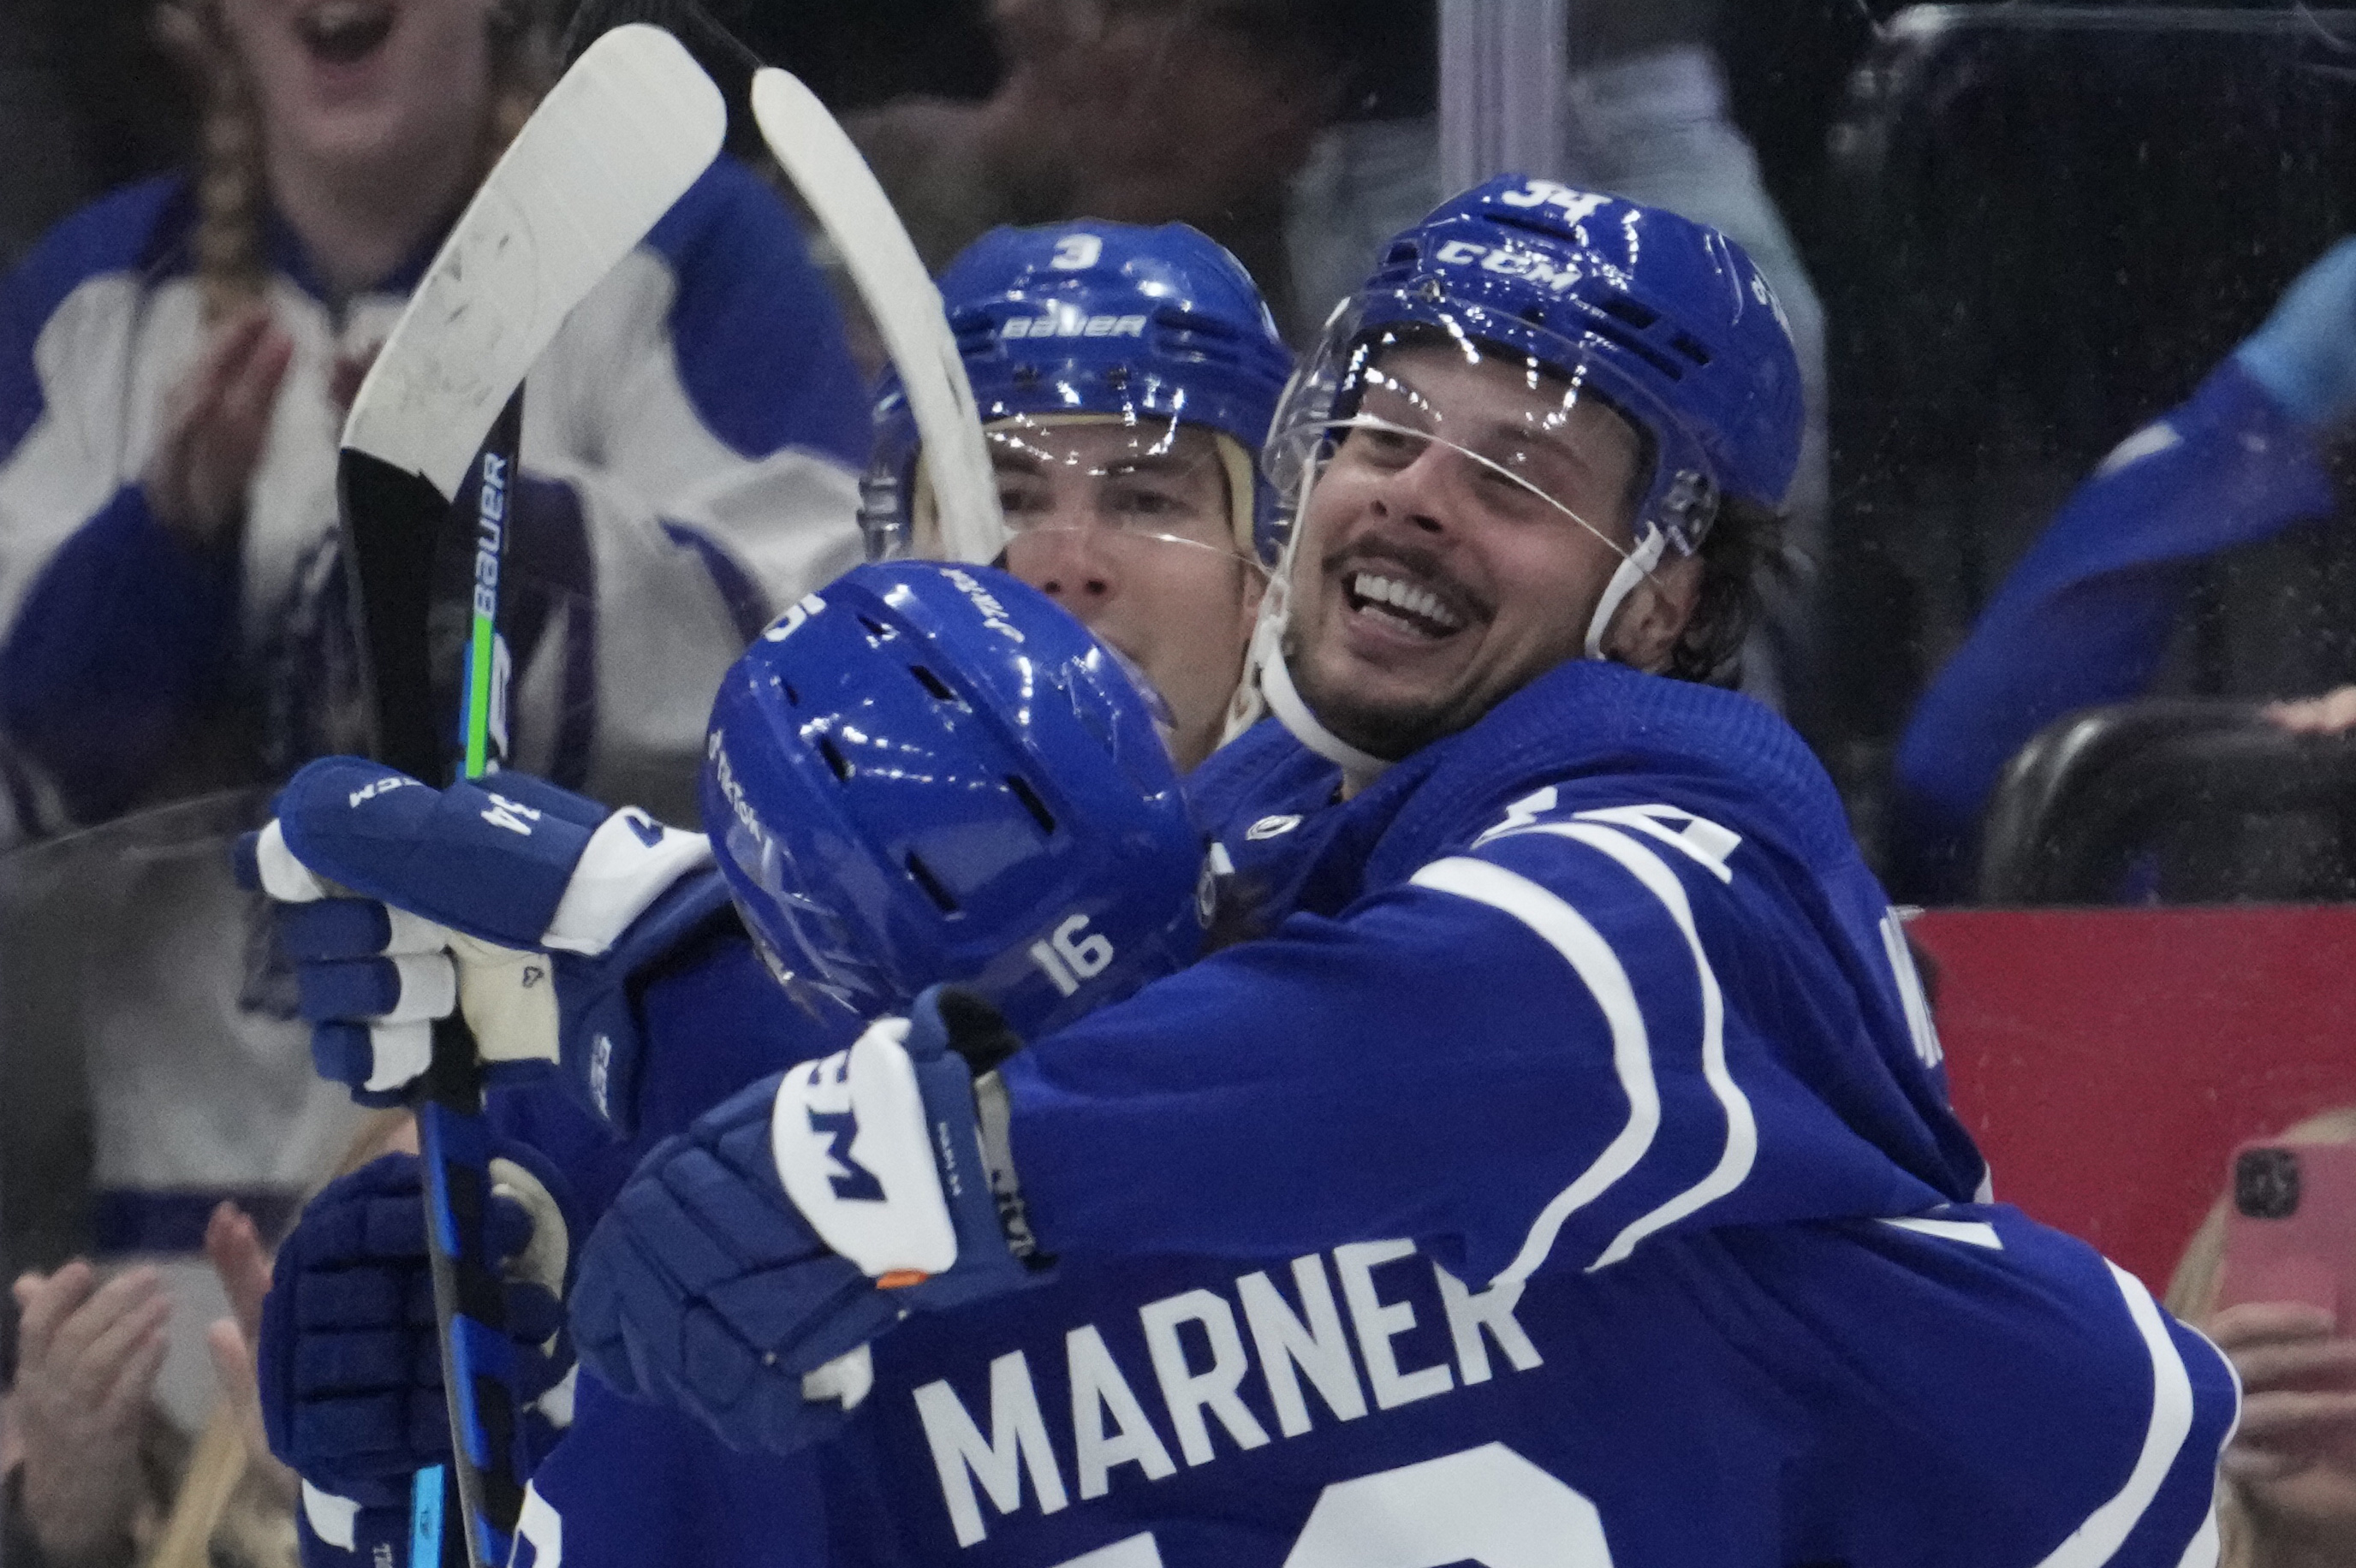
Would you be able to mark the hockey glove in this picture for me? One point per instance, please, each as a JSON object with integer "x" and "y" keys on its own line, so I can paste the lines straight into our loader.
{"x": 349, "y": 1362}
{"x": 532, "y": 908}
{"x": 799, "y": 1220}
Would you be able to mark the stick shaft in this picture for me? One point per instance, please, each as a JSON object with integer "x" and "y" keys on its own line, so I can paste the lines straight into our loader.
{"x": 469, "y": 1297}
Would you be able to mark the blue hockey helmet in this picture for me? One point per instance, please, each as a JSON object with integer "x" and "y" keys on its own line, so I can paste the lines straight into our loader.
{"x": 925, "y": 772}
{"x": 1667, "y": 319}
{"x": 1664, "y": 320}
{"x": 1088, "y": 319}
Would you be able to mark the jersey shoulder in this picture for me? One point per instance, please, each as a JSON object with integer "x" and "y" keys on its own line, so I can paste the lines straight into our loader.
{"x": 1601, "y": 735}
{"x": 1992, "y": 1385}
{"x": 1261, "y": 773}
{"x": 141, "y": 229}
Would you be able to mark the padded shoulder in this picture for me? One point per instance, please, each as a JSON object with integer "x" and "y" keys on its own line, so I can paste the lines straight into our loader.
{"x": 1645, "y": 738}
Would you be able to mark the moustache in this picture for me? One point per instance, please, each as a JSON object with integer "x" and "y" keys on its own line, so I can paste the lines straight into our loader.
{"x": 1413, "y": 561}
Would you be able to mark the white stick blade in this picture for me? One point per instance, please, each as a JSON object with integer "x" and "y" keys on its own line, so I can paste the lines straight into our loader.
{"x": 610, "y": 149}
{"x": 899, "y": 297}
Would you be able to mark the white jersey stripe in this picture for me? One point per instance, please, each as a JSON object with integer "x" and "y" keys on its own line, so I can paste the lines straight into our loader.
{"x": 1971, "y": 1233}
{"x": 1565, "y": 930}
{"x": 1742, "y": 1126}
{"x": 2106, "y": 1529}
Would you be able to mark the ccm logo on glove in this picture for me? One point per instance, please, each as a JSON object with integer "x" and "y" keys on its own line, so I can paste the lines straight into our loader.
{"x": 850, "y": 1136}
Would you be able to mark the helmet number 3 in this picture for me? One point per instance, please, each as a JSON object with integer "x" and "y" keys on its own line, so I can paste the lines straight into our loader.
{"x": 1073, "y": 954}
{"x": 1074, "y": 252}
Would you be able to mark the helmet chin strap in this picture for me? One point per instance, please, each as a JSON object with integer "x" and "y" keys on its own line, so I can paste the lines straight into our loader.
{"x": 1283, "y": 698}
{"x": 1360, "y": 768}
{"x": 1634, "y": 567}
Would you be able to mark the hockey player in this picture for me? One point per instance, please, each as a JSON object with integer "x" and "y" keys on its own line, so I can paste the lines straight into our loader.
{"x": 890, "y": 806}
{"x": 1127, "y": 377}
{"x": 1564, "y": 1178}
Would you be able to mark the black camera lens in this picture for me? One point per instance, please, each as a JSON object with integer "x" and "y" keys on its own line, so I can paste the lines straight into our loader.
{"x": 2265, "y": 1183}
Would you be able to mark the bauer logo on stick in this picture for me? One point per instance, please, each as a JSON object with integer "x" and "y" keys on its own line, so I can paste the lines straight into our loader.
{"x": 490, "y": 531}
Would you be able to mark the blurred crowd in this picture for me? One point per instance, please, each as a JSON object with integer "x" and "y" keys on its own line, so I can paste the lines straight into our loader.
{"x": 2005, "y": 514}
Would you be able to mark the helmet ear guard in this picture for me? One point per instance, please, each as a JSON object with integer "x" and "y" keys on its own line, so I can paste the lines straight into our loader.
{"x": 1686, "y": 509}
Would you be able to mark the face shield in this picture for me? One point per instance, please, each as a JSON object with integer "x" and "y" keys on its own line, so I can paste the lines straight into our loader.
{"x": 1115, "y": 483}
{"x": 1514, "y": 425}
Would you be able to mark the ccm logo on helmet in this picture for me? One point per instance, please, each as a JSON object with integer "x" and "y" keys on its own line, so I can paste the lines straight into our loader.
{"x": 793, "y": 619}
{"x": 1073, "y": 323}
{"x": 1508, "y": 262}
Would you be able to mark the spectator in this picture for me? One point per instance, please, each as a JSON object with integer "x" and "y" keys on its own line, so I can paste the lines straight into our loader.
{"x": 1140, "y": 111}
{"x": 2088, "y": 612}
{"x": 2288, "y": 1498}
{"x": 95, "y": 1474}
{"x": 174, "y": 361}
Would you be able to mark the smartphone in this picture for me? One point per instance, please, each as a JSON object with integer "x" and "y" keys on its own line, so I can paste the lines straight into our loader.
{"x": 2291, "y": 1234}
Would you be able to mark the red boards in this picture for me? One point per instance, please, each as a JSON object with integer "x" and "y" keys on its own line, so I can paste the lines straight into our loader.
{"x": 2108, "y": 1060}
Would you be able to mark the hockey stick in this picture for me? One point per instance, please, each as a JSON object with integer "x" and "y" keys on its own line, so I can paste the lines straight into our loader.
{"x": 836, "y": 183}
{"x": 610, "y": 149}
{"x": 906, "y": 309}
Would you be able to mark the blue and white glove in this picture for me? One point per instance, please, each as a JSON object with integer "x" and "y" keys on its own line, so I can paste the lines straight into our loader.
{"x": 530, "y": 907}
{"x": 2305, "y": 354}
{"x": 745, "y": 1265}
{"x": 349, "y": 1362}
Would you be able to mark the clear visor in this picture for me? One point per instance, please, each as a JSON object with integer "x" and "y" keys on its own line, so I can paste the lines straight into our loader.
{"x": 1114, "y": 481}
{"x": 1511, "y": 427}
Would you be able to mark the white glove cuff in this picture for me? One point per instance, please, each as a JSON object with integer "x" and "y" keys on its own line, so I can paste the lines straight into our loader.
{"x": 854, "y": 1154}
{"x": 631, "y": 860}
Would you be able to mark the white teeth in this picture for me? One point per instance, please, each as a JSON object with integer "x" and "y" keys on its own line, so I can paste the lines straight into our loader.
{"x": 1420, "y": 603}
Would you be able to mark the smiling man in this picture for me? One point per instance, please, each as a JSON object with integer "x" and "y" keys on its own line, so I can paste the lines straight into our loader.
{"x": 1509, "y": 456}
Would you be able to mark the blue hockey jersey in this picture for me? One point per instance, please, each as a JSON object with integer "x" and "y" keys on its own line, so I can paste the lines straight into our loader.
{"x": 1562, "y": 1177}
